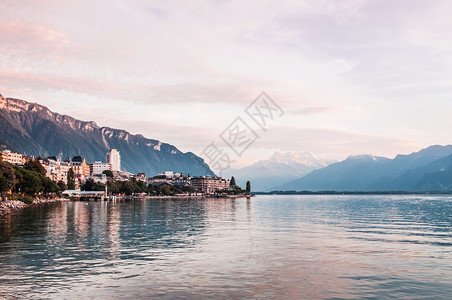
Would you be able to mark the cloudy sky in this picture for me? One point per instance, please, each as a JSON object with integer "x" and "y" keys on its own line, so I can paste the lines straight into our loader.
{"x": 352, "y": 77}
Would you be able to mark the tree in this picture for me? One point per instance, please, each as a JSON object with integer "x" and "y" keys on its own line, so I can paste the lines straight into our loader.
{"x": 189, "y": 189}
{"x": 99, "y": 186}
{"x": 248, "y": 187}
{"x": 91, "y": 185}
{"x": 113, "y": 187}
{"x": 7, "y": 177}
{"x": 28, "y": 182}
{"x": 71, "y": 179}
{"x": 108, "y": 173}
{"x": 88, "y": 185}
{"x": 232, "y": 182}
{"x": 165, "y": 189}
{"x": 62, "y": 186}
{"x": 49, "y": 186}
{"x": 126, "y": 187}
{"x": 34, "y": 165}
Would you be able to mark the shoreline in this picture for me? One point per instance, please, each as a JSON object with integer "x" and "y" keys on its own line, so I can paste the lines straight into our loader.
{"x": 10, "y": 206}
{"x": 285, "y": 193}
{"x": 191, "y": 197}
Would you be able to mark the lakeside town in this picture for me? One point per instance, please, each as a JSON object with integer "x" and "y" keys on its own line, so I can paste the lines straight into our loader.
{"x": 78, "y": 179}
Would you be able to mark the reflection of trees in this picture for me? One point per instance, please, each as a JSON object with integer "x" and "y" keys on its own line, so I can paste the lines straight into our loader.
{"x": 29, "y": 221}
{"x": 161, "y": 223}
{"x": 5, "y": 229}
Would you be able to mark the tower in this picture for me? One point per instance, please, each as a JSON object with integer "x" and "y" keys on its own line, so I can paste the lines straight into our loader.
{"x": 114, "y": 158}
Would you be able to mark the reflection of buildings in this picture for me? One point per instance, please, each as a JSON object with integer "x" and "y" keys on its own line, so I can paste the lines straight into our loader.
{"x": 113, "y": 225}
{"x": 56, "y": 223}
{"x": 81, "y": 219}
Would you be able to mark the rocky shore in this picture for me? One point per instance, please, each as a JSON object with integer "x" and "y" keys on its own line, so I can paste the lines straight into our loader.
{"x": 10, "y": 206}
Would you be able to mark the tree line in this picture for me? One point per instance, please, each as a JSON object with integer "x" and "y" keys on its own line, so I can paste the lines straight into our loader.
{"x": 133, "y": 186}
{"x": 28, "y": 181}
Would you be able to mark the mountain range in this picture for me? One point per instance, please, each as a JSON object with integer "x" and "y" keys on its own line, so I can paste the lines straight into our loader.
{"x": 33, "y": 129}
{"x": 427, "y": 170}
{"x": 280, "y": 168}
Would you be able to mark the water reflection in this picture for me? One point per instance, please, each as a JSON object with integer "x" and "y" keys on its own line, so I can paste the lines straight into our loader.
{"x": 266, "y": 247}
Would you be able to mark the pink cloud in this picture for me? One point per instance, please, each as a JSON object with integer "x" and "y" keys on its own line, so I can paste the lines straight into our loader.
{"x": 313, "y": 110}
{"x": 21, "y": 35}
{"x": 334, "y": 143}
{"x": 49, "y": 82}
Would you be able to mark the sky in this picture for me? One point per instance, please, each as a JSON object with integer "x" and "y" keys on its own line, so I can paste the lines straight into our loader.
{"x": 351, "y": 77}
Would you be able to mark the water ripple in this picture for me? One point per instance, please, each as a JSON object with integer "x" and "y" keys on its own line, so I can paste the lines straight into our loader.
{"x": 330, "y": 247}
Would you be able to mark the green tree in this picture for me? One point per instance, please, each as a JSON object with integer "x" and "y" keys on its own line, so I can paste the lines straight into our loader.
{"x": 113, "y": 187}
{"x": 7, "y": 177}
{"x": 108, "y": 173}
{"x": 71, "y": 179}
{"x": 152, "y": 189}
{"x": 126, "y": 187}
{"x": 28, "y": 182}
{"x": 49, "y": 186}
{"x": 248, "y": 187}
{"x": 88, "y": 185}
{"x": 62, "y": 186}
{"x": 140, "y": 187}
{"x": 232, "y": 182}
{"x": 188, "y": 189}
{"x": 91, "y": 185}
{"x": 99, "y": 186}
{"x": 34, "y": 165}
{"x": 165, "y": 190}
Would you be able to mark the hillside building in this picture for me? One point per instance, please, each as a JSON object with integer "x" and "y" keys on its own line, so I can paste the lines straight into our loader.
{"x": 55, "y": 168}
{"x": 98, "y": 167}
{"x": 12, "y": 158}
{"x": 209, "y": 184}
{"x": 114, "y": 158}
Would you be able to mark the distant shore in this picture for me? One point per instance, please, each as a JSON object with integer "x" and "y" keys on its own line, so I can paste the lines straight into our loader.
{"x": 178, "y": 197}
{"x": 353, "y": 193}
{"x": 10, "y": 206}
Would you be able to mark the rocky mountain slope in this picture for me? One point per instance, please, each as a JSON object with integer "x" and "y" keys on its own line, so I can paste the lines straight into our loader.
{"x": 427, "y": 170}
{"x": 33, "y": 129}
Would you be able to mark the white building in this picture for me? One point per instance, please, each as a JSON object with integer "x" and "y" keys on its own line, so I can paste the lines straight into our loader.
{"x": 13, "y": 158}
{"x": 114, "y": 158}
{"x": 98, "y": 167}
{"x": 55, "y": 168}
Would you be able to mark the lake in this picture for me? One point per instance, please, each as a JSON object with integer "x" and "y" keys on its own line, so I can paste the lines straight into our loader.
{"x": 303, "y": 247}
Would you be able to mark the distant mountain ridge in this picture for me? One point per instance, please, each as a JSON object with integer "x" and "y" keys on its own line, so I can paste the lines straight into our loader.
{"x": 427, "y": 170}
{"x": 277, "y": 170}
{"x": 33, "y": 129}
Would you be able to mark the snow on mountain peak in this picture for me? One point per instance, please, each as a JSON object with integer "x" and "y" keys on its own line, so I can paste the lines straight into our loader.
{"x": 295, "y": 158}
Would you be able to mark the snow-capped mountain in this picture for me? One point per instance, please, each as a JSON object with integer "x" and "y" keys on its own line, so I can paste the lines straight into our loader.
{"x": 280, "y": 168}
{"x": 427, "y": 170}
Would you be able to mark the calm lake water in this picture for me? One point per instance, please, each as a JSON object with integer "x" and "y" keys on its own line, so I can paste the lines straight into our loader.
{"x": 334, "y": 247}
